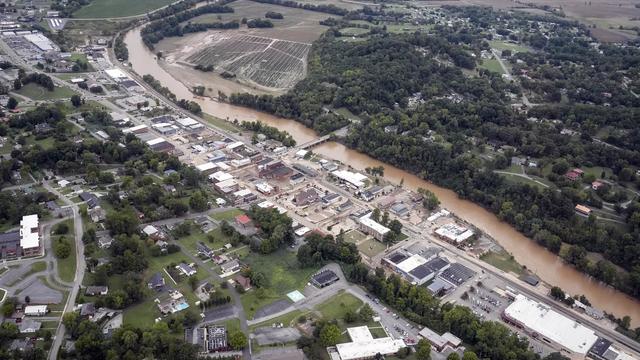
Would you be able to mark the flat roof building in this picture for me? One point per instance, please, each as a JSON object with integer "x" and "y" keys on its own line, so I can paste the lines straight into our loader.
{"x": 355, "y": 180}
{"x": 373, "y": 228}
{"x": 363, "y": 345}
{"x": 29, "y": 235}
{"x": 540, "y": 321}
{"x": 324, "y": 278}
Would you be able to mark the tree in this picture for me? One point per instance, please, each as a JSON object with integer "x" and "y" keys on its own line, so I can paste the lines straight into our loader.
{"x": 329, "y": 335}
{"x": 12, "y": 103}
{"x": 453, "y": 356}
{"x": 366, "y": 313}
{"x": 198, "y": 202}
{"x": 193, "y": 282}
{"x": 62, "y": 248}
{"x": 423, "y": 350}
{"x": 469, "y": 355}
{"x": 375, "y": 215}
{"x": 76, "y": 101}
{"x": 557, "y": 293}
{"x": 237, "y": 340}
{"x": 17, "y": 84}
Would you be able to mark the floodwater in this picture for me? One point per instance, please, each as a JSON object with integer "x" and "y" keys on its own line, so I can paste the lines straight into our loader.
{"x": 527, "y": 252}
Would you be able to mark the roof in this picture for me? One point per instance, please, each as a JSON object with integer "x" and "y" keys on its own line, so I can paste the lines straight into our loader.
{"x": 115, "y": 74}
{"x": 243, "y": 219}
{"x": 438, "y": 285}
{"x": 28, "y": 325}
{"x": 325, "y": 276}
{"x": 365, "y": 346}
{"x": 411, "y": 263}
{"x": 29, "y": 232}
{"x": 149, "y": 230}
{"x": 206, "y": 166}
{"x": 88, "y": 309}
{"x": 355, "y": 179}
{"x": 186, "y": 122}
{"x": 541, "y": 319}
{"x": 156, "y": 280}
{"x": 434, "y": 338}
{"x": 373, "y": 225}
{"x": 220, "y": 176}
{"x": 35, "y": 309}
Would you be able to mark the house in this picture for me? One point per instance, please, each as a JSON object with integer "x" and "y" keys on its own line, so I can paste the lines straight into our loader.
{"x": 96, "y": 290}
{"x": 156, "y": 281}
{"x": 243, "y": 220}
{"x": 306, "y": 197}
{"x": 584, "y": 210}
{"x": 574, "y": 174}
{"x": 90, "y": 199}
{"x": 104, "y": 242}
{"x": 373, "y": 228}
{"x": 296, "y": 178}
{"x": 29, "y": 326}
{"x": 324, "y": 278}
{"x": 330, "y": 198}
{"x": 87, "y": 310}
{"x": 97, "y": 214}
{"x": 187, "y": 270}
{"x": 150, "y": 231}
{"x": 203, "y": 249}
{"x": 63, "y": 183}
{"x": 231, "y": 266}
{"x": 400, "y": 209}
{"x": 243, "y": 281}
{"x": 596, "y": 185}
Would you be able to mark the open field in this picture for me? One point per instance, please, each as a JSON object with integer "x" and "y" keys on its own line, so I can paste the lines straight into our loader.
{"x": 354, "y": 236}
{"x": 283, "y": 275}
{"x": 227, "y": 215}
{"x": 269, "y": 60}
{"x": 503, "y": 261}
{"x": 118, "y": 8}
{"x": 67, "y": 266}
{"x": 37, "y": 92}
{"x": 338, "y": 306}
{"x": 371, "y": 247}
{"x": 503, "y": 45}
{"x": 491, "y": 65}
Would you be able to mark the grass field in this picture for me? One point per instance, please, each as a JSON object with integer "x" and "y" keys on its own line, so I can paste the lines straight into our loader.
{"x": 503, "y": 45}
{"x": 503, "y": 261}
{"x": 338, "y": 306}
{"x": 492, "y": 65}
{"x": 286, "y": 319}
{"x": 67, "y": 266}
{"x": 353, "y": 31}
{"x": 190, "y": 242}
{"x": 227, "y": 215}
{"x": 283, "y": 275}
{"x": 222, "y": 124}
{"x": 371, "y": 247}
{"x": 101, "y": 9}
{"x": 354, "y": 236}
{"x": 37, "y": 92}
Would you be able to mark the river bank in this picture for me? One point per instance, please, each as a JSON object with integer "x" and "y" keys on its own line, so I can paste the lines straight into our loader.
{"x": 549, "y": 267}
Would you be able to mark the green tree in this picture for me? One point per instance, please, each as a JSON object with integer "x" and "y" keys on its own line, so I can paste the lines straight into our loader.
{"x": 453, "y": 356}
{"x": 329, "y": 335}
{"x": 12, "y": 103}
{"x": 469, "y": 355}
{"x": 366, "y": 313}
{"x": 76, "y": 100}
{"x": 237, "y": 340}
{"x": 198, "y": 202}
{"x": 62, "y": 248}
{"x": 423, "y": 350}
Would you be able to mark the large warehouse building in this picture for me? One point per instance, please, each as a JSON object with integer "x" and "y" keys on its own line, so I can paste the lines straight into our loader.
{"x": 545, "y": 324}
{"x": 364, "y": 346}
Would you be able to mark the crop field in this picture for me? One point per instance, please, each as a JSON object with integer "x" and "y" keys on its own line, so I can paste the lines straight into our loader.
{"x": 272, "y": 63}
{"x": 119, "y": 8}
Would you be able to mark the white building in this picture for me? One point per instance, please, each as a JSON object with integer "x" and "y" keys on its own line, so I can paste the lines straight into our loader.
{"x": 454, "y": 233}
{"x": 29, "y": 235}
{"x": 541, "y": 322}
{"x": 369, "y": 226}
{"x": 363, "y": 345}
{"x": 35, "y": 310}
{"x": 355, "y": 180}
{"x": 220, "y": 176}
{"x": 203, "y": 168}
{"x": 116, "y": 74}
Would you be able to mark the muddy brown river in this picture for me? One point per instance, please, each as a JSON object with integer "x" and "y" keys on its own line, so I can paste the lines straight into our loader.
{"x": 549, "y": 267}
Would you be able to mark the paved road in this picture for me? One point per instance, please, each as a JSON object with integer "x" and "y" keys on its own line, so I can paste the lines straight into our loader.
{"x": 80, "y": 269}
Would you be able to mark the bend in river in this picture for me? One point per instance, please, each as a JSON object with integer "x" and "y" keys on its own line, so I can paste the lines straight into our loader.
{"x": 549, "y": 267}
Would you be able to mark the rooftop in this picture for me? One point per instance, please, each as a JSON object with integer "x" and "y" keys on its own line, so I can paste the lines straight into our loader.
{"x": 363, "y": 345}
{"x": 29, "y": 232}
{"x": 547, "y": 323}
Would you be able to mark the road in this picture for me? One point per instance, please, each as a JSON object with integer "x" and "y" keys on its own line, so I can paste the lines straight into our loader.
{"x": 80, "y": 268}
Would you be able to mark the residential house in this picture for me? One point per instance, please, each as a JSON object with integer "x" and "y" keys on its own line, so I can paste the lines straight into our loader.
{"x": 306, "y": 197}
{"x": 230, "y": 266}
{"x": 156, "y": 282}
{"x": 29, "y": 326}
{"x": 243, "y": 281}
{"x": 186, "y": 269}
{"x": 97, "y": 214}
{"x": 90, "y": 199}
{"x": 96, "y": 290}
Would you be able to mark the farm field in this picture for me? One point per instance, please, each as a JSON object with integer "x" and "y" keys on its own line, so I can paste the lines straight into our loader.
{"x": 102, "y": 9}
{"x": 262, "y": 61}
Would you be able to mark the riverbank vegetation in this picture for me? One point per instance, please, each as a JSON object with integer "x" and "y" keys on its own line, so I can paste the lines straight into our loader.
{"x": 426, "y": 108}
{"x": 269, "y": 131}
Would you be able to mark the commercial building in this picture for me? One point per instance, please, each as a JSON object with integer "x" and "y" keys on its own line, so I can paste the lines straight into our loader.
{"x": 603, "y": 349}
{"x": 547, "y": 325}
{"x": 324, "y": 278}
{"x": 454, "y": 233}
{"x": 369, "y": 226}
{"x": 29, "y": 235}
{"x": 440, "y": 342}
{"x": 364, "y": 346}
{"x": 354, "y": 180}
{"x": 160, "y": 145}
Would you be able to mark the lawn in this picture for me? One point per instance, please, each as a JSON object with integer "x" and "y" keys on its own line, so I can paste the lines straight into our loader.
{"x": 37, "y": 92}
{"x": 491, "y": 65}
{"x": 220, "y": 123}
{"x": 227, "y": 215}
{"x": 283, "y": 275}
{"x": 118, "y": 8}
{"x": 371, "y": 247}
{"x": 503, "y": 45}
{"x": 338, "y": 306}
{"x": 286, "y": 319}
{"x": 190, "y": 242}
{"x": 142, "y": 314}
{"x": 67, "y": 266}
{"x": 503, "y": 261}
{"x": 354, "y": 236}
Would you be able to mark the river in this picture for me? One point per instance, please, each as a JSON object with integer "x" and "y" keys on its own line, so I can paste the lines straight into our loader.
{"x": 549, "y": 267}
